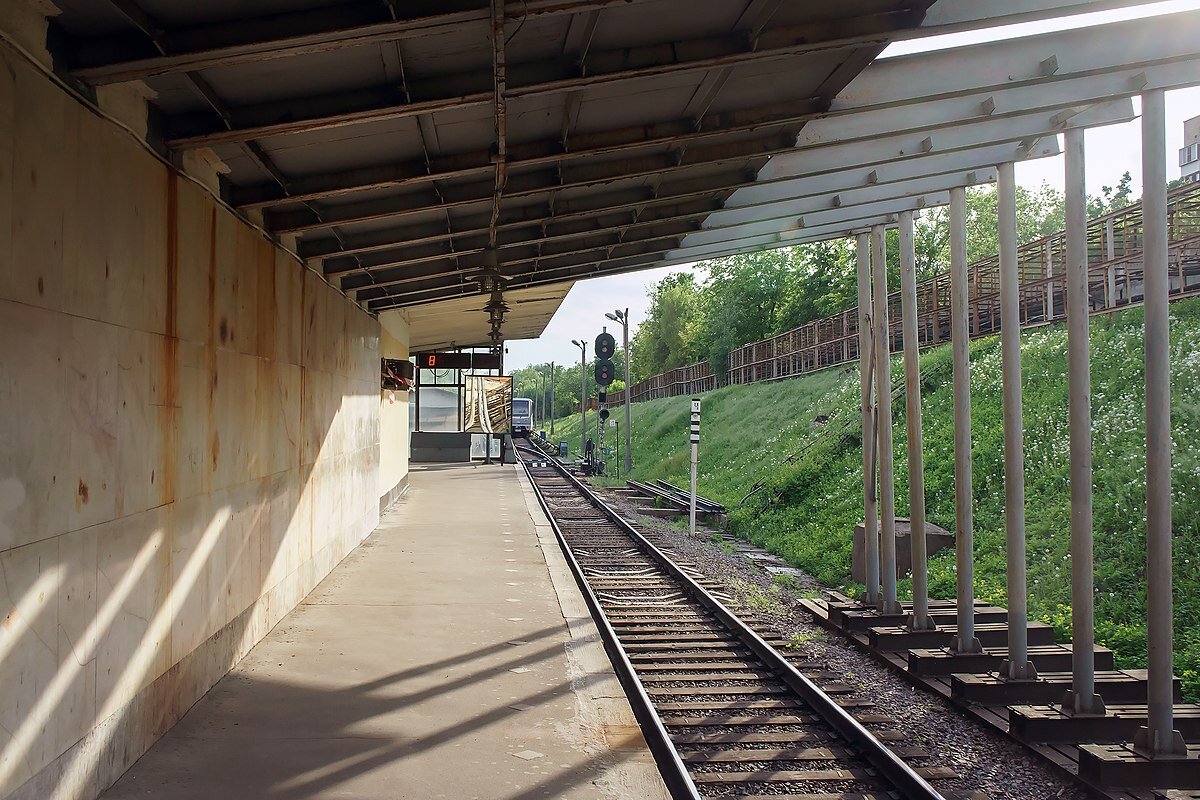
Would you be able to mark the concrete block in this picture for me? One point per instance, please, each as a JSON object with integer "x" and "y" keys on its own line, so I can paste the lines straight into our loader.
{"x": 936, "y": 539}
{"x": 90, "y": 364}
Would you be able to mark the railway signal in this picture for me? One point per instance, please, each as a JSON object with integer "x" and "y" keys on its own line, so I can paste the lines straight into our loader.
{"x": 606, "y": 371}
{"x": 606, "y": 345}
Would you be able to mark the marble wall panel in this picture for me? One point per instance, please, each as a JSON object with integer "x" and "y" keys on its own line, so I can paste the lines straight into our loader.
{"x": 226, "y": 282}
{"x": 196, "y": 234}
{"x": 88, "y": 276}
{"x": 42, "y": 175}
{"x": 192, "y": 443}
{"x": 90, "y": 364}
{"x": 133, "y": 582}
{"x": 245, "y": 280}
{"x": 288, "y": 282}
{"x": 31, "y": 579}
{"x": 71, "y": 701}
{"x": 196, "y": 528}
{"x": 35, "y": 478}
{"x": 195, "y": 443}
{"x": 8, "y": 122}
{"x": 145, "y": 426}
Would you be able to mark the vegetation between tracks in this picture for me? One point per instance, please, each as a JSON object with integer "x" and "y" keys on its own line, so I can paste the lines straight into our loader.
{"x": 808, "y": 505}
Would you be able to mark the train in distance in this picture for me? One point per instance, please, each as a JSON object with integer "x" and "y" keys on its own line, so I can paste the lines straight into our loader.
{"x": 522, "y": 416}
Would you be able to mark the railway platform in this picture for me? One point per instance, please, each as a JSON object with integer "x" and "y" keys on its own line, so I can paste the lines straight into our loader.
{"x": 450, "y": 655}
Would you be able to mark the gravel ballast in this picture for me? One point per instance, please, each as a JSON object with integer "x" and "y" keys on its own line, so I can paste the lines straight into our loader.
{"x": 984, "y": 760}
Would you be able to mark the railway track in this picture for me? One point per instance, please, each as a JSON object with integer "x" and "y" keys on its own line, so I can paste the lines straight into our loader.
{"x": 724, "y": 712}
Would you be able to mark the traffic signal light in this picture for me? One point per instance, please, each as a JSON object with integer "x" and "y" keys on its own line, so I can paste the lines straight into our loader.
{"x": 606, "y": 345}
{"x": 604, "y": 414}
{"x": 606, "y": 371}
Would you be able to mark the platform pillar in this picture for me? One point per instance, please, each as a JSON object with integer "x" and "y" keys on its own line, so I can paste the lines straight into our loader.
{"x": 1082, "y": 698}
{"x": 964, "y": 640}
{"x": 883, "y": 435}
{"x": 1159, "y": 738}
{"x": 919, "y": 620}
{"x": 866, "y": 362}
{"x": 1017, "y": 666}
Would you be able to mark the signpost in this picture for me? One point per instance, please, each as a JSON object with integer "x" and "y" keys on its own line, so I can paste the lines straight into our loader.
{"x": 695, "y": 439}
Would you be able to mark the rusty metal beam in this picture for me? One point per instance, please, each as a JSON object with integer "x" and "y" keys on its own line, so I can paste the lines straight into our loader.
{"x": 457, "y": 246}
{"x": 319, "y": 30}
{"x": 865, "y": 35}
{"x": 499, "y": 79}
{"x": 610, "y": 245}
{"x": 529, "y": 156}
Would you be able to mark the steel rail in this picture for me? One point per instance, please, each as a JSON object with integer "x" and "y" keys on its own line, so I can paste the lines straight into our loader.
{"x": 893, "y": 769}
{"x": 670, "y": 765}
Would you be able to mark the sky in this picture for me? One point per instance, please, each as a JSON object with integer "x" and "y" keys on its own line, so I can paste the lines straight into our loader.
{"x": 1110, "y": 151}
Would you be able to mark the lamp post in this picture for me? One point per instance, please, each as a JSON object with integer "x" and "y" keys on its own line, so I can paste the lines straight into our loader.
{"x": 623, "y": 318}
{"x": 582, "y": 394}
{"x": 551, "y": 398}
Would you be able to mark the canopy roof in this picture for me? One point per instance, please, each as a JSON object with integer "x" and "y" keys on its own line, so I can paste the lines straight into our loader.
{"x": 396, "y": 145}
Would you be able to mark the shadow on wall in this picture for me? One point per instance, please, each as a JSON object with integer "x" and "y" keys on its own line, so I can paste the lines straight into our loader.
{"x": 189, "y": 432}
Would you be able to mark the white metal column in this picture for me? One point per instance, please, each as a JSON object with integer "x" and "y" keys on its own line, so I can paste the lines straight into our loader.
{"x": 1082, "y": 698}
{"x": 919, "y": 620}
{"x": 883, "y": 436}
{"x": 866, "y": 361}
{"x": 1159, "y": 738}
{"x": 1017, "y": 666}
{"x": 964, "y": 640}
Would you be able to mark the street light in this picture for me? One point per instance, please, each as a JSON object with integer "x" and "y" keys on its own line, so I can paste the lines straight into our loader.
{"x": 582, "y": 394}
{"x": 623, "y": 318}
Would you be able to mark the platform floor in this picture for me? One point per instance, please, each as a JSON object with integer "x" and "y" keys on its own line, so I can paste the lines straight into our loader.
{"x": 449, "y": 656}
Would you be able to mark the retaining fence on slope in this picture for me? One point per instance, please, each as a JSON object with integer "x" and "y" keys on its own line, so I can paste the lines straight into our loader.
{"x": 1115, "y": 282}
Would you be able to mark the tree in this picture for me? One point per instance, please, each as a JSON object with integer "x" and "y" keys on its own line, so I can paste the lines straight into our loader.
{"x": 666, "y": 338}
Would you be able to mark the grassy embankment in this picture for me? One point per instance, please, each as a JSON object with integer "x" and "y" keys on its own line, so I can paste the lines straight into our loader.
{"x": 749, "y": 431}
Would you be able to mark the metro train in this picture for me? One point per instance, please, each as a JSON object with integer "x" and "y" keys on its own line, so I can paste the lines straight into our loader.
{"x": 522, "y": 416}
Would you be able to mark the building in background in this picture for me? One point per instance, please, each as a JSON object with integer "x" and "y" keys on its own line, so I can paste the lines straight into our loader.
{"x": 1189, "y": 154}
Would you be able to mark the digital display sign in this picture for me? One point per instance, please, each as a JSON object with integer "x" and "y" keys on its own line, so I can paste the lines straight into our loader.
{"x": 452, "y": 360}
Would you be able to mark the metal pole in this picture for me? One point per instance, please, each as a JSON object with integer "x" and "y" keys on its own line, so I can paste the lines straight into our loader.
{"x": 694, "y": 435}
{"x": 628, "y": 399}
{"x": 1082, "y": 698}
{"x": 1017, "y": 667}
{"x": 866, "y": 358}
{"x": 883, "y": 402}
{"x": 1159, "y": 738}
{"x": 919, "y": 620}
{"x": 582, "y": 399}
{"x": 552, "y": 382}
{"x": 964, "y": 640}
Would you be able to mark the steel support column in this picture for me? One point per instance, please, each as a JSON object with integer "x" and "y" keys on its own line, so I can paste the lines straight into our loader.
{"x": 919, "y": 620}
{"x": 964, "y": 640}
{"x": 1017, "y": 667}
{"x": 1082, "y": 698}
{"x": 1159, "y": 738}
{"x": 866, "y": 361}
{"x": 883, "y": 421}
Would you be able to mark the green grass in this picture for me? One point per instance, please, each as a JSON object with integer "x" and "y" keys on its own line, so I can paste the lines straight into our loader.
{"x": 748, "y": 431}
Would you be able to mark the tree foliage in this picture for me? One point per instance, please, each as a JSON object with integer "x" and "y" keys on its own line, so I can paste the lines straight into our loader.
{"x": 725, "y": 303}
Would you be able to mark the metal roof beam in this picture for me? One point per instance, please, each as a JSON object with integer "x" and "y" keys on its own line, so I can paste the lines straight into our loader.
{"x": 830, "y": 161}
{"x": 585, "y": 268}
{"x": 318, "y": 30}
{"x": 461, "y": 243}
{"x": 381, "y": 277}
{"x": 827, "y": 165}
{"x": 981, "y": 99}
{"x": 781, "y": 217}
{"x": 555, "y": 76}
{"x": 525, "y": 157}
